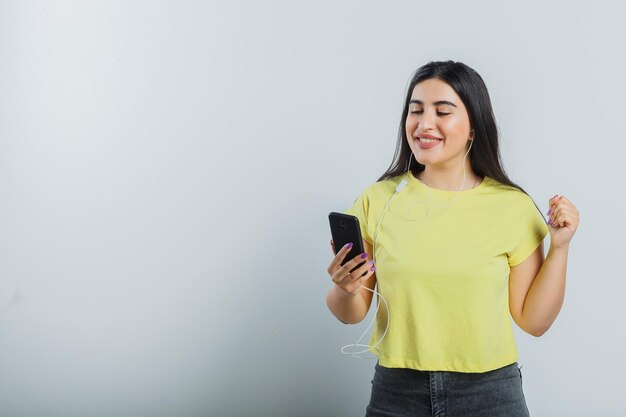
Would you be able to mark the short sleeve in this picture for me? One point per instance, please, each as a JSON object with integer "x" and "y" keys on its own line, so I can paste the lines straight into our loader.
{"x": 531, "y": 232}
{"x": 360, "y": 209}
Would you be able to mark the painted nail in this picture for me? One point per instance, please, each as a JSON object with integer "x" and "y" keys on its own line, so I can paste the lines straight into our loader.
{"x": 373, "y": 269}
{"x": 549, "y": 212}
{"x": 371, "y": 262}
{"x": 550, "y": 222}
{"x": 364, "y": 256}
{"x": 349, "y": 246}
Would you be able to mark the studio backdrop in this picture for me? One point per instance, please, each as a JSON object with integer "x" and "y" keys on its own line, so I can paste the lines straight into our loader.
{"x": 167, "y": 169}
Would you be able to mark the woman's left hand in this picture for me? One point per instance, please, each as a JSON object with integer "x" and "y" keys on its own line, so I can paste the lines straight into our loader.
{"x": 562, "y": 222}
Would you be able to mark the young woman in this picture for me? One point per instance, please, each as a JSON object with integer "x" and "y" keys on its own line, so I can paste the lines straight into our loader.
{"x": 456, "y": 253}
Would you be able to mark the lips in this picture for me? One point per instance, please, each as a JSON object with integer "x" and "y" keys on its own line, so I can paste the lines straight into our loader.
{"x": 427, "y": 141}
{"x": 424, "y": 135}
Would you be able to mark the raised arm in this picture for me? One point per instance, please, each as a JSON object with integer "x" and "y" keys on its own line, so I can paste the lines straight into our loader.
{"x": 537, "y": 286}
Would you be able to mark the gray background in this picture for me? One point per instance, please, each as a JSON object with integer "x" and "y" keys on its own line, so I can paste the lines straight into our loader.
{"x": 166, "y": 171}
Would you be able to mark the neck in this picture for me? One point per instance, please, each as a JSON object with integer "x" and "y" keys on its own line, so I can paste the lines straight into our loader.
{"x": 449, "y": 179}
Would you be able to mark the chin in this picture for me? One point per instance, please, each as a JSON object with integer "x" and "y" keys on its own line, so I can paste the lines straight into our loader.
{"x": 423, "y": 161}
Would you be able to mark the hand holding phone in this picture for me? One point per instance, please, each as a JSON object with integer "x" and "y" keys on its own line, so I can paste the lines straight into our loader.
{"x": 350, "y": 266}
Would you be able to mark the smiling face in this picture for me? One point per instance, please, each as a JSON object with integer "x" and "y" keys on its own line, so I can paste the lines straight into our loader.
{"x": 437, "y": 125}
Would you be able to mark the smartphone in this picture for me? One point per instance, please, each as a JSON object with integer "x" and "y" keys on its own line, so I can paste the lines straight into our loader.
{"x": 344, "y": 229}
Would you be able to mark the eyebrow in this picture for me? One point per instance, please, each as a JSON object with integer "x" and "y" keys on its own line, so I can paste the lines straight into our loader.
{"x": 436, "y": 103}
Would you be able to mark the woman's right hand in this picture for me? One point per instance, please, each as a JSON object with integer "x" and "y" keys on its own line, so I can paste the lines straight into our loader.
{"x": 349, "y": 282}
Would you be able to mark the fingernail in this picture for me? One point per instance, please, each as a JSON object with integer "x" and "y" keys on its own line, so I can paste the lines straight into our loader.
{"x": 364, "y": 256}
{"x": 373, "y": 269}
{"x": 349, "y": 245}
{"x": 371, "y": 262}
{"x": 549, "y": 212}
{"x": 555, "y": 196}
{"x": 550, "y": 222}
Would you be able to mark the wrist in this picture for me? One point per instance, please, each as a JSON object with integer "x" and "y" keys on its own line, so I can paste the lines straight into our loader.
{"x": 559, "y": 248}
{"x": 345, "y": 293}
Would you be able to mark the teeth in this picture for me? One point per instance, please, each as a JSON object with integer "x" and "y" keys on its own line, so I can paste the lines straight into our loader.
{"x": 428, "y": 140}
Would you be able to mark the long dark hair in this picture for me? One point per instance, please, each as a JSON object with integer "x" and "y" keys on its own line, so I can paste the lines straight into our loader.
{"x": 484, "y": 155}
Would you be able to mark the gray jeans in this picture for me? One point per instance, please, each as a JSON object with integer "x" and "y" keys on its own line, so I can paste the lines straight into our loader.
{"x": 401, "y": 392}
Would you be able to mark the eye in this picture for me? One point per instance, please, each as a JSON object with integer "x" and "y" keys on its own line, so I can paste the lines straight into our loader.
{"x": 439, "y": 113}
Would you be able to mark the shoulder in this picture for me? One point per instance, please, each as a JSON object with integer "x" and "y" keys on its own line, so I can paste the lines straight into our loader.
{"x": 511, "y": 202}
{"x": 381, "y": 189}
{"x": 373, "y": 198}
{"x": 507, "y": 192}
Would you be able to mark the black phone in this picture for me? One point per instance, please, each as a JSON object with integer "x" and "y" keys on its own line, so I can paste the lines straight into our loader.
{"x": 344, "y": 229}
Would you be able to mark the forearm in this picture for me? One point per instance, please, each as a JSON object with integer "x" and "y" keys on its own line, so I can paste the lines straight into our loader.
{"x": 346, "y": 307}
{"x": 547, "y": 292}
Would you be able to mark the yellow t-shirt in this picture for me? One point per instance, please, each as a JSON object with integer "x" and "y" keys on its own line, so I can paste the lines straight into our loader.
{"x": 442, "y": 263}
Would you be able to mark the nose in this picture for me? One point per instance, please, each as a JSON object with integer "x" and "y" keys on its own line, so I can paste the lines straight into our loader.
{"x": 427, "y": 121}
